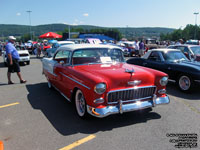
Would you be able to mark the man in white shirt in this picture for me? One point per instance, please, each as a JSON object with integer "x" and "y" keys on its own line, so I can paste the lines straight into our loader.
{"x": 136, "y": 46}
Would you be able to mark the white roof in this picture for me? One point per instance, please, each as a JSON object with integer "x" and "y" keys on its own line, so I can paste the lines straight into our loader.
{"x": 83, "y": 46}
{"x": 67, "y": 42}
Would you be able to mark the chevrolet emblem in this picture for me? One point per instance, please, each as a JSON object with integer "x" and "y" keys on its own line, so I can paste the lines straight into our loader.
{"x": 134, "y": 83}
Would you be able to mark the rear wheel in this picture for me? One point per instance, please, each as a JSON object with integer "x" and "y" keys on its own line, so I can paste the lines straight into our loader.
{"x": 28, "y": 62}
{"x": 185, "y": 83}
{"x": 80, "y": 104}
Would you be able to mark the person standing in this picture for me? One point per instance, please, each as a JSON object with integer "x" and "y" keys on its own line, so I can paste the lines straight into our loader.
{"x": 141, "y": 48}
{"x": 13, "y": 60}
{"x": 136, "y": 46}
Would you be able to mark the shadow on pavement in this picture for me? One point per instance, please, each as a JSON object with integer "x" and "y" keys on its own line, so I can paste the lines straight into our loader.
{"x": 64, "y": 119}
{"x": 173, "y": 90}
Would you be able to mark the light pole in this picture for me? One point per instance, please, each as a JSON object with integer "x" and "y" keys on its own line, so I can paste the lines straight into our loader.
{"x": 29, "y": 12}
{"x": 195, "y": 13}
{"x": 69, "y": 32}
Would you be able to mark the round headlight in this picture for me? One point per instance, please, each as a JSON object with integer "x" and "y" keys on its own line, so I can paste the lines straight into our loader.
{"x": 100, "y": 88}
{"x": 164, "y": 81}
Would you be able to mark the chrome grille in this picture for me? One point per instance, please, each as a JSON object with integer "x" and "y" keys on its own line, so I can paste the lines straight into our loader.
{"x": 128, "y": 95}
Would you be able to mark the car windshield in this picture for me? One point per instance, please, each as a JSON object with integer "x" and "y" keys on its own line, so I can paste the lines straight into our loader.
{"x": 20, "y": 48}
{"x": 196, "y": 50}
{"x": 175, "y": 56}
{"x": 97, "y": 55}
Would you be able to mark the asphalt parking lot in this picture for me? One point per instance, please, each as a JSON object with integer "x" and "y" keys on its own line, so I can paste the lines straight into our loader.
{"x": 33, "y": 117}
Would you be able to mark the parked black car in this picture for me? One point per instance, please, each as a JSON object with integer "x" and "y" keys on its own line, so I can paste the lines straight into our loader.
{"x": 184, "y": 72}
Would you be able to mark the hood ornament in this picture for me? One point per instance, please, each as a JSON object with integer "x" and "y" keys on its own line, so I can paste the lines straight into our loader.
{"x": 129, "y": 70}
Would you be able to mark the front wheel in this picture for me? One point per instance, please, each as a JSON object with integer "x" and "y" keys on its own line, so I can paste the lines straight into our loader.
{"x": 185, "y": 83}
{"x": 80, "y": 104}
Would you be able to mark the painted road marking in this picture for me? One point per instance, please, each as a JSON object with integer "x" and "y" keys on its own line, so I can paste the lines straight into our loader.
{"x": 188, "y": 105}
{"x": 79, "y": 142}
{"x": 191, "y": 107}
{"x": 12, "y": 104}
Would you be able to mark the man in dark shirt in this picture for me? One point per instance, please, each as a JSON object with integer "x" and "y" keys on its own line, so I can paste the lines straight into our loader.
{"x": 12, "y": 60}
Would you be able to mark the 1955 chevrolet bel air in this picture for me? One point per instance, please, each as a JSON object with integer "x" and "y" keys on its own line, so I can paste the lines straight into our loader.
{"x": 99, "y": 81}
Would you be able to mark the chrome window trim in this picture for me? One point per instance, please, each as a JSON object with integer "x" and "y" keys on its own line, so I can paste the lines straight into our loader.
{"x": 74, "y": 80}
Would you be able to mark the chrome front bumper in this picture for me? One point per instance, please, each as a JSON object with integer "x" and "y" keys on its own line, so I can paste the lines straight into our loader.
{"x": 121, "y": 108}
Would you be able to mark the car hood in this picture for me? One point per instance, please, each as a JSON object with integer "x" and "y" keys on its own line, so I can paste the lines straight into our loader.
{"x": 191, "y": 64}
{"x": 116, "y": 75}
{"x": 23, "y": 52}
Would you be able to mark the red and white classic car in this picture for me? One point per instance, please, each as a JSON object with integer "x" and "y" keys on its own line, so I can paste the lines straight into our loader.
{"x": 99, "y": 81}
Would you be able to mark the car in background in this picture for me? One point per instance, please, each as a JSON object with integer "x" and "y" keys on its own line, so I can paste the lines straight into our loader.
{"x": 130, "y": 45}
{"x": 96, "y": 78}
{"x": 192, "y": 52}
{"x": 122, "y": 47}
{"x": 50, "y": 51}
{"x": 24, "y": 56}
{"x": 184, "y": 72}
{"x": 193, "y": 42}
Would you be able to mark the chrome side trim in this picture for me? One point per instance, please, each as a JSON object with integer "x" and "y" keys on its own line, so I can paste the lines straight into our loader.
{"x": 55, "y": 75}
{"x": 120, "y": 108}
{"x": 197, "y": 81}
{"x": 172, "y": 80}
{"x": 74, "y": 80}
{"x": 61, "y": 93}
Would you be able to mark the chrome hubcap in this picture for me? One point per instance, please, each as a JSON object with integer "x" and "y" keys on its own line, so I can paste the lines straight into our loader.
{"x": 80, "y": 103}
{"x": 184, "y": 83}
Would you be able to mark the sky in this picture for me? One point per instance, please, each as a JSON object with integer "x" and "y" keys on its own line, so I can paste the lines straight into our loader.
{"x": 104, "y": 13}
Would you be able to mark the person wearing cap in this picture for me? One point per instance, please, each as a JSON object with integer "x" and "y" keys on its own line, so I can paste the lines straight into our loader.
{"x": 12, "y": 60}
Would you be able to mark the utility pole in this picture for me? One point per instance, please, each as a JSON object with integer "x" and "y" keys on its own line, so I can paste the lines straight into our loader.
{"x": 29, "y": 12}
{"x": 195, "y": 33}
{"x": 69, "y": 31}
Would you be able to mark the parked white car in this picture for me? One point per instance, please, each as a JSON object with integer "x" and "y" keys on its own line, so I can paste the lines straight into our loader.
{"x": 23, "y": 54}
{"x": 50, "y": 51}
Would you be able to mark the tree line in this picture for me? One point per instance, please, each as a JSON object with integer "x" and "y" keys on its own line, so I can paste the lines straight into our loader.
{"x": 189, "y": 32}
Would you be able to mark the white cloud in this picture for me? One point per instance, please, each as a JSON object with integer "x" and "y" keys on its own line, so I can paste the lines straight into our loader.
{"x": 18, "y": 14}
{"x": 81, "y": 22}
{"x": 85, "y": 14}
{"x": 74, "y": 24}
{"x": 64, "y": 22}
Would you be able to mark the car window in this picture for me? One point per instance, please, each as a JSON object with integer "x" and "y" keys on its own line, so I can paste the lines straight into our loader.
{"x": 196, "y": 50}
{"x": 155, "y": 56}
{"x": 183, "y": 49}
{"x": 97, "y": 55}
{"x": 62, "y": 55}
{"x": 174, "y": 56}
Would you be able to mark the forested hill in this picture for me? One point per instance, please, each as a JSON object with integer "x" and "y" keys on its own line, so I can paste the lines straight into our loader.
{"x": 18, "y": 30}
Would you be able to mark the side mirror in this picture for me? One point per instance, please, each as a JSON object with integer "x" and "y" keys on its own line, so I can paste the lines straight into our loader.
{"x": 61, "y": 62}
